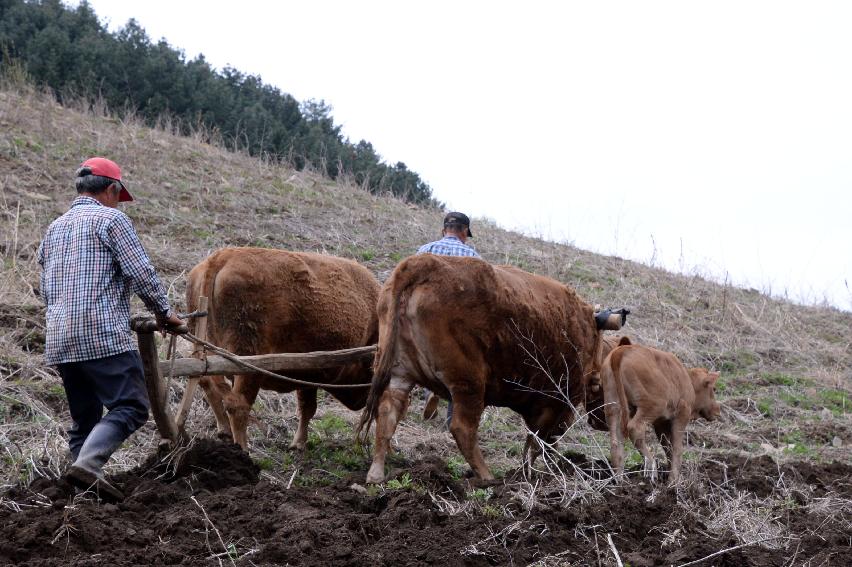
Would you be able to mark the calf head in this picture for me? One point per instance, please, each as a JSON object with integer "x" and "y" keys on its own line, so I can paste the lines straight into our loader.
{"x": 704, "y": 383}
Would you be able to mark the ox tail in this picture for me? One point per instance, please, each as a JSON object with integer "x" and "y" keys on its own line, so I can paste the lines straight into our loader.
{"x": 202, "y": 284}
{"x": 611, "y": 378}
{"x": 395, "y": 297}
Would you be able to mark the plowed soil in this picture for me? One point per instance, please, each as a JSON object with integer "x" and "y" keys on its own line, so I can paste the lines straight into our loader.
{"x": 212, "y": 509}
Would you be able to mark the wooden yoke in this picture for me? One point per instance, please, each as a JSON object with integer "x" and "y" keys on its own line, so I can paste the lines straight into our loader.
{"x": 201, "y": 354}
{"x": 157, "y": 391}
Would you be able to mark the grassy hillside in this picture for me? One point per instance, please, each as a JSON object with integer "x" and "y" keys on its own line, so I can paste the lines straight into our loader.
{"x": 786, "y": 369}
{"x": 193, "y": 198}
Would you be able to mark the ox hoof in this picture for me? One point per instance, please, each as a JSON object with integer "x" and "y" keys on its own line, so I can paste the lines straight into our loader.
{"x": 298, "y": 446}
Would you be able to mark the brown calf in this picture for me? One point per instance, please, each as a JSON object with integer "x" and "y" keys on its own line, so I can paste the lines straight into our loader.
{"x": 645, "y": 386}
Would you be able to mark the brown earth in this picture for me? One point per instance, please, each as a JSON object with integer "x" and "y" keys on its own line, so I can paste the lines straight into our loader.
{"x": 211, "y": 508}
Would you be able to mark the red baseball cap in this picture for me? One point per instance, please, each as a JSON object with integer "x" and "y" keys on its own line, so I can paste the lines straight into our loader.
{"x": 108, "y": 168}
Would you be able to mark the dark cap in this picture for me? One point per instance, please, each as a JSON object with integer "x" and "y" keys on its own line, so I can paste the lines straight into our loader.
{"x": 458, "y": 219}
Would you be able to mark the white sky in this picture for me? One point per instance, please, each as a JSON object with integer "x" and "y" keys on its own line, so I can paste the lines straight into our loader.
{"x": 715, "y": 135}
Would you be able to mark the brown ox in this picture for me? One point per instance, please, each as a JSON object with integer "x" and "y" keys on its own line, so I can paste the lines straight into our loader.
{"x": 265, "y": 301}
{"x": 483, "y": 335}
{"x": 645, "y": 386}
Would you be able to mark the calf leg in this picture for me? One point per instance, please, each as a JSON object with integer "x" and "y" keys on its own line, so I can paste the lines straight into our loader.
{"x": 215, "y": 389}
{"x": 679, "y": 423}
{"x": 663, "y": 429}
{"x": 636, "y": 428}
{"x": 307, "y": 408}
{"x": 392, "y": 407}
{"x": 238, "y": 405}
{"x": 465, "y": 427}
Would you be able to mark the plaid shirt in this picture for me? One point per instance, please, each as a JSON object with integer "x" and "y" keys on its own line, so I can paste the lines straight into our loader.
{"x": 92, "y": 260}
{"x": 449, "y": 246}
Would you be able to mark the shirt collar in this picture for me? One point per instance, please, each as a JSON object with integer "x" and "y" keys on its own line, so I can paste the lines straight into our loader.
{"x": 85, "y": 200}
{"x": 451, "y": 237}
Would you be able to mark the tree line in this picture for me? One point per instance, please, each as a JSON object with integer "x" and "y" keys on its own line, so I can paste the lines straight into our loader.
{"x": 71, "y": 52}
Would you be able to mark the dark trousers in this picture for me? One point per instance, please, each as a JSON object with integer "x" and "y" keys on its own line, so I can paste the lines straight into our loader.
{"x": 116, "y": 383}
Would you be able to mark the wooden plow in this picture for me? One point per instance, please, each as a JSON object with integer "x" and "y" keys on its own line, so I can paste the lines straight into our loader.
{"x": 170, "y": 423}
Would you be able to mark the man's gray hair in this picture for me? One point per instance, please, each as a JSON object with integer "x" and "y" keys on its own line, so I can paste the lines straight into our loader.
{"x": 86, "y": 182}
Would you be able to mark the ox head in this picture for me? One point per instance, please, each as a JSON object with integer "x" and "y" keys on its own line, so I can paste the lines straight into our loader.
{"x": 704, "y": 383}
{"x": 611, "y": 319}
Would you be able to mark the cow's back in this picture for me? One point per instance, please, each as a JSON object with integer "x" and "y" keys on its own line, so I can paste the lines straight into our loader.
{"x": 263, "y": 301}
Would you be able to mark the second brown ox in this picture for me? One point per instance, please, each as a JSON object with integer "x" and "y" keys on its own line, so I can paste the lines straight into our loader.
{"x": 644, "y": 386}
{"x": 265, "y": 301}
{"x": 483, "y": 335}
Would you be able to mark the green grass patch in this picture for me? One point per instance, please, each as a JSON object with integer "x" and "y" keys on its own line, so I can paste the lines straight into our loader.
{"x": 330, "y": 425}
{"x": 456, "y": 465}
{"x": 737, "y": 361}
{"x": 766, "y": 407}
{"x": 480, "y": 495}
{"x": 404, "y": 482}
{"x": 781, "y": 379}
{"x": 265, "y": 463}
{"x": 835, "y": 400}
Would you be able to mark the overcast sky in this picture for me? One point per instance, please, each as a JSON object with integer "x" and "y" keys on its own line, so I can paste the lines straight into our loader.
{"x": 714, "y": 136}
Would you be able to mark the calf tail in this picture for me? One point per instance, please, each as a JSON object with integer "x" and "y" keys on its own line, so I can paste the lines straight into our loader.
{"x": 614, "y": 387}
{"x": 618, "y": 385}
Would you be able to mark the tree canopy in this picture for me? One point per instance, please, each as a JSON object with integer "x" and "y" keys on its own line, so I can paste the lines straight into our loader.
{"x": 72, "y": 53}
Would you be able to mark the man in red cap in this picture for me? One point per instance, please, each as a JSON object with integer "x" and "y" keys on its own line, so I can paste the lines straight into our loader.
{"x": 92, "y": 261}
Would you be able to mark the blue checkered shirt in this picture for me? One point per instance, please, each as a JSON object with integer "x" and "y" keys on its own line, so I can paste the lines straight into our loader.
{"x": 92, "y": 261}
{"x": 449, "y": 246}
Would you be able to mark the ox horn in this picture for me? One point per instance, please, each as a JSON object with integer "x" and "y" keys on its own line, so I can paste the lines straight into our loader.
{"x": 611, "y": 320}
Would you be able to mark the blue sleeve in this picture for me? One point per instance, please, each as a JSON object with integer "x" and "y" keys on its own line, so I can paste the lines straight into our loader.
{"x": 134, "y": 263}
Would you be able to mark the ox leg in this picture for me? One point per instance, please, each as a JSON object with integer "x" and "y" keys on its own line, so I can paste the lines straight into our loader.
{"x": 542, "y": 426}
{"x": 215, "y": 389}
{"x": 678, "y": 429}
{"x": 307, "y": 408}
{"x": 465, "y": 428}
{"x": 392, "y": 407}
{"x": 238, "y": 405}
{"x": 636, "y": 428}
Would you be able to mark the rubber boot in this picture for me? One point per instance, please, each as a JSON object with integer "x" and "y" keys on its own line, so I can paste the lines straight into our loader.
{"x": 87, "y": 470}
